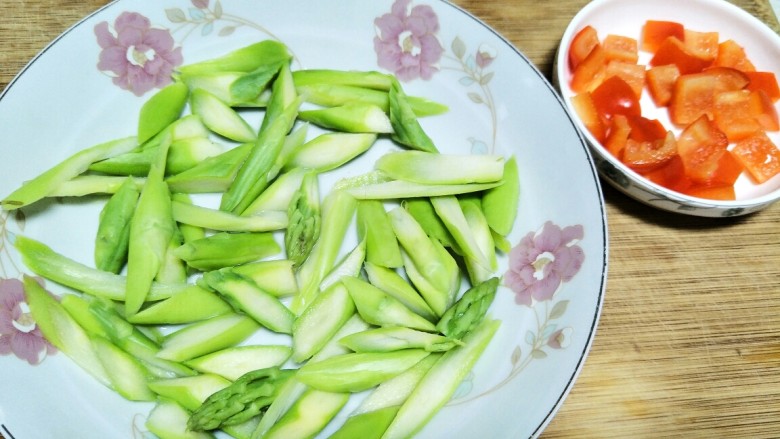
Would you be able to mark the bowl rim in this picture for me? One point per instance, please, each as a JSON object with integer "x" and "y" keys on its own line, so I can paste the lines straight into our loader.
{"x": 560, "y": 70}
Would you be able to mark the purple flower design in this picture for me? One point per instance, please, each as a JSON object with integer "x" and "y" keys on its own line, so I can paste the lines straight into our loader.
{"x": 540, "y": 262}
{"x": 560, "y": 339}
{"x": 406, "y": 43}
{"x": 19, "y": 335}
{"x": 138, "y": 56}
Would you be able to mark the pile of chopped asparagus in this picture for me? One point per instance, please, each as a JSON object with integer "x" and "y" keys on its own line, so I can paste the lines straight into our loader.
{"x": 179, "y": 292}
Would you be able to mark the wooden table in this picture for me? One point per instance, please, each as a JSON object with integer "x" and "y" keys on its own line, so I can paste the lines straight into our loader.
{"x": 689, "y": 339}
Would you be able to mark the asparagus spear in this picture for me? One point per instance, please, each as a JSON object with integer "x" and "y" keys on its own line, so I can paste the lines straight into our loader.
{"x": 350, "y": 118}
{"x": 375, "y": 413}
{"x": 244, "y": 59}
{"x": 244, "y": 294}
{"x": 204, "y": 337}
{"x": 278, "y": 195}
{"x": 92, "y": 184}
{"x": 45, "y": 183}
{"x": 62, "y": 331}
{"x": 253, "y": 176}
{"x": 246, "y": 398}
{"x": 440, "y": 383}
{"x": 213, "y": 219}
{"x": 468, "y": 312}
{"x": 236, "y": 361}
{"x": 219, "y": 117}
{"x": 190, "y": 305}
{"x": 429, "y": 259}
{"x": 225, "y": 249}
{"x": 113, "y": 234}
{"x": 283, "y": 94}
{"x": 330, "y": 150}
{"x": 449, "y": 210}
{"x": 213, "y": 174}
{"x": 333, "y": 95}
{"x": 370, "y": 79}
{"x": 406, "y": 128}
{"x": 423, "y": 212}
{"x": 275, "y": 276}
{"x": 434, "y": 168}
{"x": 394, "y": 338}
{"x": 392, "y": 283}
{"x": 304, "y": 225}
{"x": 337, "y": 211}
{"x": 356, "y": 372}
{"x": 320, "y": 321}
{"x": 379, "y": 308}
{"x": 483, "y": 238}
{"x": 47, "y": 263}
{"x": 373, "y": 225}
{"x": 500, "y": 203}
{"x": 151, "y": 230}
{"x": 372, "y": 189}
{"x": 310, "y": 413}
{"x": 162, "y": 109}
{"x": 168, "y": 420}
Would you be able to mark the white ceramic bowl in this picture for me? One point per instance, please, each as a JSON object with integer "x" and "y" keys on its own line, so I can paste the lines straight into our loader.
{"x": 626, "y": 17}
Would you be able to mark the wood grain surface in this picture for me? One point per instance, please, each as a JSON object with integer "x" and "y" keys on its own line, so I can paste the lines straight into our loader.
{"x": 689, "y": 339}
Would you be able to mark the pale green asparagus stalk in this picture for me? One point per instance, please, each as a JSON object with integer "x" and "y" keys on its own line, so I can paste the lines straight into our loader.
{"x": 381, "y": 309}
{"x": 374, "y": 227}
{"x": 245, "y": 59}
{"x": 371, "y": 187}
{"x": 236, "y": 361}
{"x": 406, "y": 128}
{"x": 429, "y": 259}
{"x": 47, "y": 182}
{"x": 251, "y": 300}
{"x": 93, "y": 184}
{"x": 356, "y": 372}
{"x": 333, "y": 95}
{"x": 224, "y": 249}
{"x": 187, "y": 213}
{"x": 160, "y": 110}
{"x": 237, "y": 89}
{"x": 483, "y": 237}
{"x": 113, "y": 234}
{"x": 275, "y": 276}
{"x": 366, "y": 79}
{"x": 278, "y": 195}
{"x": 394, "y": 338}
{"x": 253, "y": 176}
{"x": 350, "y": 118}
{"x": 441, "y": 169}
{"x": 326, "y": 314}
{"x": 440, "y": 383}
{"x": 469, "y": 311}
{"x": 245, "y": 398}
{"x": 500, "y": 203}
{"x": 330, "y": 150}
{"x": 189, "y": 232}
{"x": 449, "y": 210}
{"x": 305, "y": 217}
{"x": 219, "y": 117}
{"x": 309, "y": 415}
{"x": 338, "y": 208}
{"x": 190, "y": 305}
{"x": 214, "y": 174}
{"x": 377, "y": 410}
{"x": 47, "y": 263}
{"x": 283, "y": 94}
{"x": 62, "y": 331}
{"x": 423, "y": 212}
{"x": 392, "y": 283}
{"x": 151, "y": 230}
{"x": 130, "y": 339}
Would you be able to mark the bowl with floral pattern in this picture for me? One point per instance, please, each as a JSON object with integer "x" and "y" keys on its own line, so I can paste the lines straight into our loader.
{"x": 725, "y": 178}
{"x": 552, "y": 265}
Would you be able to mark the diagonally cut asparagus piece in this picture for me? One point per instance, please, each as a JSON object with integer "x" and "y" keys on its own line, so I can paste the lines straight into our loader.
{"x": 45, "y": 183}
{"x": 151, "y": 230}
{"x": 113, "y": 234}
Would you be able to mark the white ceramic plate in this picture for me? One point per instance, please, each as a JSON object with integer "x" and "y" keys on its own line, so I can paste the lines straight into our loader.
{"x": 499, "y": 102}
